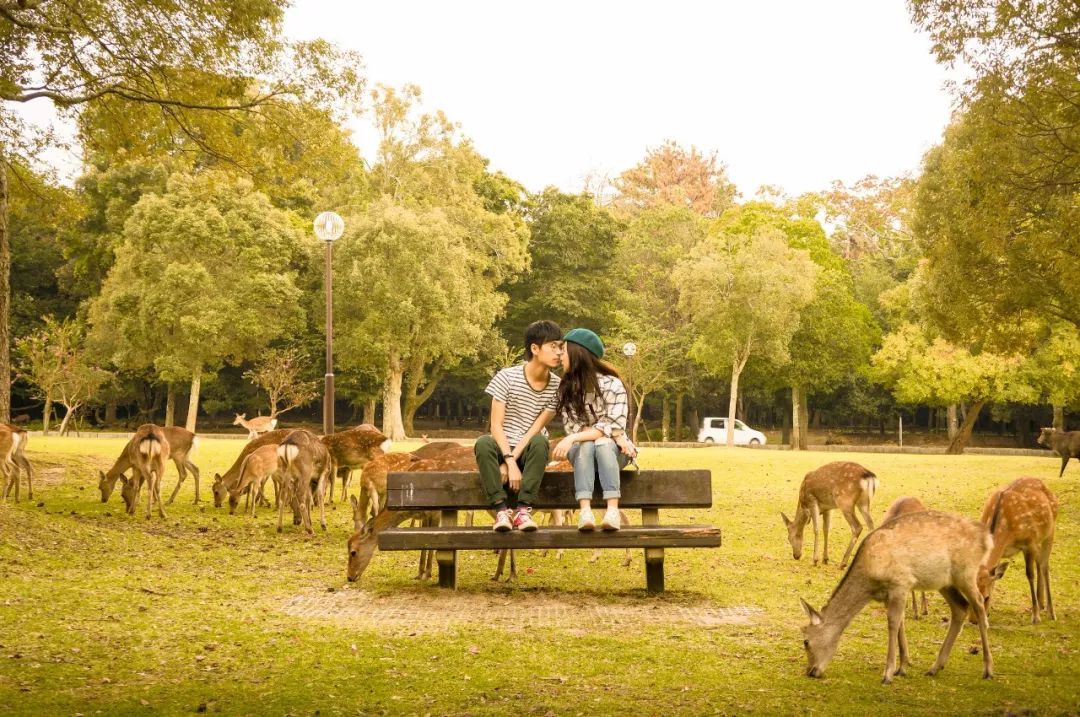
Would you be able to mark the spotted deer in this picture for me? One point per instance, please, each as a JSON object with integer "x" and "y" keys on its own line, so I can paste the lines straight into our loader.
{"x": 259, "y": 465}
{"x": 182, "y": 443}
{"x": 842, "y": 486}
{"x": 223, "y": 483}
{"x": 19, "y": 440}
{"x": 146, "y": 453}
{"x": 915, "y": 551}
{"x": 255, "y": 426}
{"x": 352, "y": 449}
{"x": 306, "y": 466}
{"x": 9, "y": 445}
{"x": 1021, "y": 518}
{"x": 903, "y": 506}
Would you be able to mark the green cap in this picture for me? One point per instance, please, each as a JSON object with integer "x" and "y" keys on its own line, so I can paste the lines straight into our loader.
{"x": 588, "y": 339}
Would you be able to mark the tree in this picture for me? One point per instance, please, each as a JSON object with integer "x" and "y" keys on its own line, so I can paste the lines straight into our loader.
{"x": 206, "y": 274}
{"x": 672, "y": 176}
{"x": 419, "y": 268}
{"x": 279, "y": 372}
{"x": 920, "y": 369}
{"x": 54, "y": 359}
{"x": 76, "y": 55}
{"x": 743, "y": 297}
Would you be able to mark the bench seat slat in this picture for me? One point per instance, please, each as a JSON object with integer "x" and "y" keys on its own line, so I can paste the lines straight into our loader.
{"x": 447, "y": 490}
{"x": 483, "y": 538}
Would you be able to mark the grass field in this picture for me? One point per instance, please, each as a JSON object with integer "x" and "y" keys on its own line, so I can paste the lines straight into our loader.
{"x": 105, "y": 613}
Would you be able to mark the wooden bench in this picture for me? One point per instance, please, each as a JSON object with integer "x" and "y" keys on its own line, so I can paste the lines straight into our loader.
{"x": 451, "y": 491}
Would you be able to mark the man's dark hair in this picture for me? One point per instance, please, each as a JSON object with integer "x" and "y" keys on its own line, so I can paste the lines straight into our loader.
{"x": 540, "y": 332}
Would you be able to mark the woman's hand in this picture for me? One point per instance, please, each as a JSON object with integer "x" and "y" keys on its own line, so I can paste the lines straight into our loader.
{"x": 562, "y": 448}
{"x": 626, "y": 446}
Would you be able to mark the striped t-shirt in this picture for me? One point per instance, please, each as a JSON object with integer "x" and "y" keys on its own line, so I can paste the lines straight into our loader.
{"x": 523, "y": 402}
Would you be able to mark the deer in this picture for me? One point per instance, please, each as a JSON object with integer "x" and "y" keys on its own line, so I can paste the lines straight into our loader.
{"x": 9, "y": 445}
{"x": 146, "y": 454}
{"x": 1021, "y": 518}
{"x": 182, "y": 443}
{"x": 222, "y": 483}
{"x": 841, "y": 485}
{"x": 305, "y": 465}
{"x": 914, "y": 551}
{"x": 259, "y": 465}
{"x": 19, "y": 441}
{"x": 1065, "y": 443}
{"x": 353, "y": 449}
{"x": 255, "y": 426}
{"x": 902, "y": 506}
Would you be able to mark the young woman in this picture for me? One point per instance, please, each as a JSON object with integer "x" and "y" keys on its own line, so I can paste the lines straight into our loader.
{"x": 592, "y": 403}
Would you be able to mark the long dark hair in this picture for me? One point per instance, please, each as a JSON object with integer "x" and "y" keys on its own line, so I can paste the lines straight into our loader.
{"x": 581, "y": 379}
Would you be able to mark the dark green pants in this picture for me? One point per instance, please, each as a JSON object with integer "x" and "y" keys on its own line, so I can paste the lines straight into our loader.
{"x": 532, "y": 462}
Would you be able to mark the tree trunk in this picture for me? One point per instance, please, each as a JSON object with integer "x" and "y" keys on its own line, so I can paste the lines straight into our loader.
{"x": 65, "y": 425}
{"x": 958, "y": 444}
{"x": 193, "y": 402}
{"x": 785, "y": 428}
{"x": 5, "y": 297}
{"x": 732, "y": 403}
{"x": 953, "y": 423}
{"x": 110, "y": 412}
{"x": 1059, "y": 418}
{"x": 392, "y": 425}
{"x": 665, "y": 421}
{"x": 369, "y": 411}
{"x": 170, "y": 406}
{"x": 416, "y": 397}
{"x": 47, "y": 415}
{"x": 695, "y": 422}
{"x": 800, "y": 419}
{"x": 639, "y": 404}
{"x": 679, "y": 417}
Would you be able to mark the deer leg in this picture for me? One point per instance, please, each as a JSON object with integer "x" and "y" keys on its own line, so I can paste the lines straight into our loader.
{"x": 959, "y": 607}
{"x": 914, "y": 605}
{"x": 864, "y": 508}
{"x": 499, "y": 565}
{"x": 512, "y": 577}
{"x": 815, "y": 518}
{"x": 157, "y": 494}
{"x": 280, "y": 512}
{"x": 24, "y": 463}
{"x": 195, "y": 473}
{"x": 856, "y": 530}
{"x": 826, "y": 524}
{"x": 1044, "y": 582}
{"x": 1064, "y": 461}
{"x": 897, "y": 603}
{"x": 925, "y": 605}
{"x": 1029, "y": 570}
{"x": 321, "y": 495}
{"x": 974, "y": 597}
{"x": 179, "y": 481}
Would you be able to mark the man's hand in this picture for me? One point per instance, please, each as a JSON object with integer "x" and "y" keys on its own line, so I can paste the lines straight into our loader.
{"x": 562, "y": 448}
{"x": 515, "y": 475}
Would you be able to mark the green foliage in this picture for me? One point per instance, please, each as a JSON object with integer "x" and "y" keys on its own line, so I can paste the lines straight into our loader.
{"x": 205, "y": 275}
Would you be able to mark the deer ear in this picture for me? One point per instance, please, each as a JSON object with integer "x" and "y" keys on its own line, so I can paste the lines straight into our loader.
{"x": 787, "y": 520}
{"x": 998, "y": 571}
{"x": 814, "y": 615}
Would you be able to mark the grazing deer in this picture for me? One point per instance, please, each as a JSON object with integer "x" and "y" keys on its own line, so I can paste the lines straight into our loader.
{"x": 146, "y": 452}
{"x": 915, "y": 551}
{"x": 305, "y": 465}
{"x": 1065, "y": 443}
{"x": 257, "y": 467}
{"x": 255, "y": 426}
{"x": 20, "y": 439}
{"x": 1021, "y": 517}
{"x": 182, "y": 443}
{"x": 222, "y": 483}
{"x": 903, "y": 506}
{"x": 353, "y": 449}
{"x": 841, "y": 485}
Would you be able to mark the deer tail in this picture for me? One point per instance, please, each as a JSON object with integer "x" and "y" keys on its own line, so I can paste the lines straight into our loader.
{"x": 273, "y": 423}
{"x": 287, "y": 453}
{"x": 149, "y": 446}
{"x": 869, "y": 484}
{"x": 16, "y": 440}
{"x": 997, "y": 514}
{"x": 194, "y": 444}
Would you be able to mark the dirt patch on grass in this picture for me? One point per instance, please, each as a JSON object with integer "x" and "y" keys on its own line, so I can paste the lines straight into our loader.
{"x": 422, "y": 612}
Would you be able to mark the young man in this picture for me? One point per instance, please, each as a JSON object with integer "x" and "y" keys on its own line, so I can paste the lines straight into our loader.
{"x": 523, "y": 399}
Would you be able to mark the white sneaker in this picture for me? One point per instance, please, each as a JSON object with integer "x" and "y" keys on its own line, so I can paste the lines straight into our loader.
{"x": 502, "y": 521}
{"x": 611, "y": 519}
{"x": 586, "y": 521}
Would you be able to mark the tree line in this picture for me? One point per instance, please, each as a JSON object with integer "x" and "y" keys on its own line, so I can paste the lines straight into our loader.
{"x": 182, "y": 262}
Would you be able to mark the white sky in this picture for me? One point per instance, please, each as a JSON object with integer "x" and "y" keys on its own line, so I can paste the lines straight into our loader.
{"x": 788, "y": 92}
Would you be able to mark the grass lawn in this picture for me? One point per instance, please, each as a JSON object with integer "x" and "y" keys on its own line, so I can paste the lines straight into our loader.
{"x": 104, "y": 613}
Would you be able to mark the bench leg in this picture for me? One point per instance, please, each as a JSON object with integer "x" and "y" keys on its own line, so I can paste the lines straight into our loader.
{"x": 654, "y": 569}
{"x": 447, "y": 558}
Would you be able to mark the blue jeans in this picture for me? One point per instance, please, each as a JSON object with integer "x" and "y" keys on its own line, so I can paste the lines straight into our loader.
{"x": 591, "y": 458}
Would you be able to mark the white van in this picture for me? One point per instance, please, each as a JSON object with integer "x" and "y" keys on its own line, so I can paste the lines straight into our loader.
{"x": 714, "y": 430}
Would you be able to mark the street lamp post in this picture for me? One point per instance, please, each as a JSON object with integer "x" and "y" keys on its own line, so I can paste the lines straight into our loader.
{"x": 629, "y": 349}
{"x": 328, "y": 228}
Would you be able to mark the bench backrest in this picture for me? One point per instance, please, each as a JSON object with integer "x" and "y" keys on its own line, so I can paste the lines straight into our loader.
{"x": 461, "y": 489}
